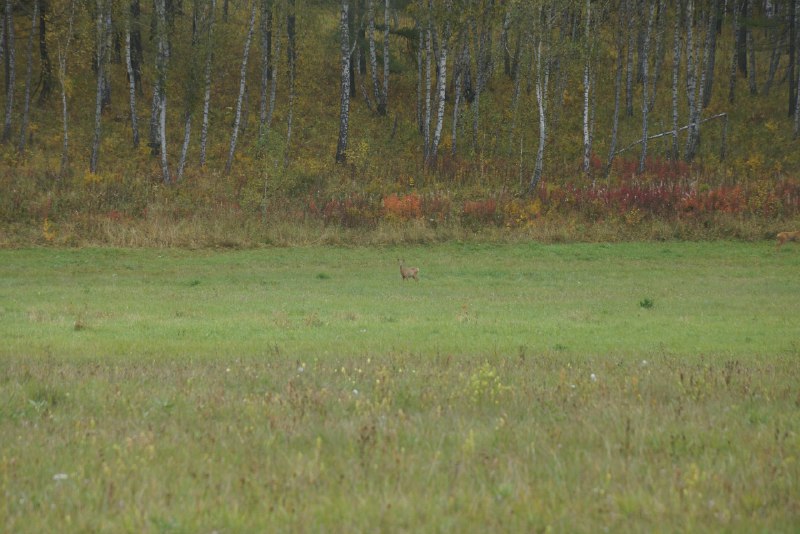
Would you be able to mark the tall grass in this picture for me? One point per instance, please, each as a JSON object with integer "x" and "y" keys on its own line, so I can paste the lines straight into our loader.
{"x": 515, "y": 387}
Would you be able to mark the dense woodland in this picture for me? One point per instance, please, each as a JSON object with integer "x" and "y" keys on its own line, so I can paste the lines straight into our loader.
{"x": 485, "y": 111}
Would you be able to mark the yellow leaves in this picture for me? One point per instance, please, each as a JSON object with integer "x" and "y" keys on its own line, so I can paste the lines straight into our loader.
{"x": 48, "y": 230}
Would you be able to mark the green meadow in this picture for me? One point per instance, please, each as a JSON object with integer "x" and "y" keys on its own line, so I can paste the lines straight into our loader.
{"x": 518, "y": 387}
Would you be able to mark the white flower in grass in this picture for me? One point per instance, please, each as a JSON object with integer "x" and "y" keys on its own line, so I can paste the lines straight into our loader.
{"x": 60, "y": 476}
{"x": 593, "y": 377}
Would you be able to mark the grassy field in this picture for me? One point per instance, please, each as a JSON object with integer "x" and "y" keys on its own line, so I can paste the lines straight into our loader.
{"x": 627, "y": 387}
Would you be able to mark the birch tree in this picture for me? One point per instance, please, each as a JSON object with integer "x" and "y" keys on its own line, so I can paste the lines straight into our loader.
{"x": 11, "y": 68}
{"x": 212, "y": 7}
{"x": 26, "y": 102}
{"x": 291, "y": 53}
{"x": 620, "y": 49}
{"x": 646, "y": 83}
{"x": 543, "y": 58}
{"x": 63, "y": 53}
{"x": 102, "y": 6}
{"x": 587, "y": 89}
{"x": 242, "y": 87}
{"x": 131, "y": 84}
{"x": 158, "y": 119}
{"x": 379, "y": 91}
{"x": 676, "y": 67}
{"x": 265, "y": 30}
{"x": 441, "y": 87}
{"x": 344, "y": 105}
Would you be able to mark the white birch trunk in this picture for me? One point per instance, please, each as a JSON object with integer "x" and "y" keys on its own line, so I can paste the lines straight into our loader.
{"x": 629, "y": 60}
{"x": 242, "y": 84}
{"x": 441, "y": 86}
{"x": 131, "y": 84}
{"x": 373, "y": 56}
{"x": 344, "y": 103}
{"x": 26, "y": 103}
{"x": 266, "y": 59}
{"x": 457, "y": 76}
{"x": 420, "y": 41}
{"x": 542, "y": 83}
{"x": 733, "y": 65}
{"x": 273, "y": 86}
{"x": 383, "y": 104}
{"x": 797, "y": 85}
{"x": 207, "y": 80}
{"x": 11, "y": 80}
{"x": 187, "y": 130}
{"x": 62, "y": 78}
{"x": 98, "y": 108}
{"x": 587, "y": 88}
{"x": 646, "y": 84}
{"x": 691, "y": 81}
{"x": 162, "y": 136}
{"x": 676, "y": 63}
{"x": 617, "y": 94}
{"x": 426, "y": 128}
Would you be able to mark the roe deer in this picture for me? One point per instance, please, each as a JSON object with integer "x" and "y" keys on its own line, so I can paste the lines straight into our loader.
{"x": 408, "y": 272}
{"x": 783, "y": 237}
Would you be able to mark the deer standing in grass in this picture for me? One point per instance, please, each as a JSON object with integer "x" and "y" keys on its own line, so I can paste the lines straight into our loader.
{"x": 783, "y": 237}
{"x": 408, "y": 272}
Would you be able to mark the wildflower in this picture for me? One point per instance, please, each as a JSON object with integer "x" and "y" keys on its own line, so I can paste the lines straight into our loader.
{"x": 60, "y": 476}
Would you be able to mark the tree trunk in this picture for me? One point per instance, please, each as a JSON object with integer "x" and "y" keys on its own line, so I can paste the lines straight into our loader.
{"x": 792, "y": 54}
{"x": 344, "y": 107}
{"x": 136, "y": 45}
{"x": 736, "y": 34}
{"x": 426, "y": 127}
{"x": 242, "y": 85}
{"x": 457, "y": 77}
{"x": 98, "y": 109}
{"x": 676, "y": 64}
{"x": 266, "y": 63}
{"x": 587, "y": 89}
{"x": 751, "y": 70}
{"x": 46, "y": 79}
{"x": 373, "y": 56}
{"x": 617, "y": 93}
{"x": 383, "y": 104}
{"x": 542, "y": 83}
{"x": 132, "y": 85}
{"x": 441, "y": 86}
{"x": 646, "y": 84}
{"x": 207, "y": 81}
{"x": 711, "y": 59}
{"x": 187, "y": 130}
{"x": 11, "y": 73}
{"x": 291, "y": 49}
{"x": 420, "y": 42}
{"x": 158, "y": 119}
{"x": 691, "y": 84}
{"x": 629, "y": 61}
{"x": 62, "y": 78}
{"x": 26, "y": 103}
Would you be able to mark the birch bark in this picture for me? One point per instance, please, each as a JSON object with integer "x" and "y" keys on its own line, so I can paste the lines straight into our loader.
{"x": 11, "y": 72}
{"x": 344, "y": 103}
{"x": 441, "y": 85}
{"x": 98, "y": 109}
{"x": 131, "y": 85}
{"x": 242, "y": 86}
{"x": 207, "y": 82}
{"x": 26, "y": 102}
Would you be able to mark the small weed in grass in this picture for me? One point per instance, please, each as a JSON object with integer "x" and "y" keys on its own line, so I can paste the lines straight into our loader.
{"x": 646, "y": 303}
{"x": 323, "y": 276}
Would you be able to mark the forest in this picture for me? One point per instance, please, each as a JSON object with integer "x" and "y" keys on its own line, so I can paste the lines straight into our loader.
{"x": 554, "y": 119}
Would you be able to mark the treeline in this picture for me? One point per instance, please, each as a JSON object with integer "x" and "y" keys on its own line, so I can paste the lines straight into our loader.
{"x": 480, "y": 80}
